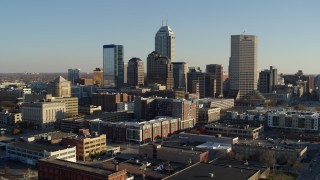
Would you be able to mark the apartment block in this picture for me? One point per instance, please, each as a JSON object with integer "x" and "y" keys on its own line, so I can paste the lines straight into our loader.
{"x": 295, "y": 121}
{"x": 138, "y": 132}
{"x": 86, "y": 145}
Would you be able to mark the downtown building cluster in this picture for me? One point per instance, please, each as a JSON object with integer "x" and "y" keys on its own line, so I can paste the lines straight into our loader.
{"x": 122, "y": 104}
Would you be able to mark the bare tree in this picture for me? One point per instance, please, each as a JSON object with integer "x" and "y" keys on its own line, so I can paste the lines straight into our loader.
{"x": 6, "y": 170}
{"x": 268, "y": 159}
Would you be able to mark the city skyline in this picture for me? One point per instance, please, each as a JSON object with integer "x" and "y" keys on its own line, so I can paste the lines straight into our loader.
{"x": 53, "y": 37}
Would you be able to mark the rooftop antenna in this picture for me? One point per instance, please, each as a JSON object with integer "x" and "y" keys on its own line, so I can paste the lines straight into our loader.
{"x": 162, "y": 22}
{"x": 166, "y": 22}
{"x": 244, "y": 32}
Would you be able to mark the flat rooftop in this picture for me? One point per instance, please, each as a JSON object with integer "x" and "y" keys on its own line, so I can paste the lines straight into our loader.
{"x": 214, "y": 146}
{"x": 180, "y": 149}
{"x": 220, "y": 171}
{"x": 274, "y": 145}
{"x": 54, "y": 135}
{"x": 77, "y": 166}
{"x": 38, "y": 147}
{"x": 231, "y": 126}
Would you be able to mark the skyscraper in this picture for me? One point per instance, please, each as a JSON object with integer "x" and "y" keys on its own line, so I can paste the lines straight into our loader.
{"x": 202, "y": 83}
{"x": 113, "y": 66}
{"x": 159, "y": 70}
{"x": 135, "y": 72}
{"x": 125, "y": 73}
{"x": 180, "y": 71}
{"x": 267, "y": 80}
{"x": 217, "y": 71}
{"x": 243, "y": 64}
{"x": 73, "y": 74}
{"x": 165, "y": 42}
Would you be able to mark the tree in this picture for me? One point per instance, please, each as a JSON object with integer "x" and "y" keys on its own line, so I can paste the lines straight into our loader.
{"x": 230, "y": 155}
{"x": 238, "y": 156}
{"x": 27, "y": 173}
{"x": 16, "y": 131}
{"x": 6, "y": 170}
{"x": 268, "y": 159}
{"x": 299, "y": 107}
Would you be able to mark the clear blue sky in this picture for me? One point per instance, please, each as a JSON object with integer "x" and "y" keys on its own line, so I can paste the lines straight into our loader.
{"x": 52, "y": 36}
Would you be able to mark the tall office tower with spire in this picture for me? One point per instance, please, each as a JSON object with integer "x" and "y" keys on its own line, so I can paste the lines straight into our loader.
{"x": 165, "y": 42}
{"x": 73, "y": 74}
{"x": 113, "y": 66}
{"x": 243, "y": 73}
{"x": 217, "y": 71}
{"x": 135, "y": 72}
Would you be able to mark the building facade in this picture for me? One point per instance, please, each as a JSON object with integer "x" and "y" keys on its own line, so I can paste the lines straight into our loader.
{"x": 108, "y": 101}
{"x": 57, "y": 169}
{"x": 180, "y": 71}
{"x": 232, "y": 130}
{"x": 243, "y": 64}
{"x": 113, "y": 66}
{"x": 202, "y": 83}
{"x": 60, "y": 87}
{"x": 217, "y": 71}
{"x": 73, "y": 75}
{"x": 208, "y": 115}
{"x": 165, "y": 42}
{"x": 159, "y": 70}
{"x": 145, "y": 131}
{"x": 222, "y": 103}
{"x": 135, "y": 72}
{"x": 43, "y": 115}
{"x": 71, "y": 104}
{"x": 289, "y": 153}
{"x": 98, "y": 77}
{"x": 31, "y": 152}
{"x": 10, "y": 119}
{"x": 295, "y": 121}
{"x": 268, "y": 79}
{"x": 86, "y": 145}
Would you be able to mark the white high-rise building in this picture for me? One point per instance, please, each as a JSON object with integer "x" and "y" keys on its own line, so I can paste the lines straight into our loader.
{"x": 165, "y": 42}
{"x": 243, "y": 64}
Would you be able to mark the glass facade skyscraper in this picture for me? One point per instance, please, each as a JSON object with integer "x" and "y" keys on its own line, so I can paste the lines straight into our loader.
{"x": 113, "y": 66}
{"x": 73, "y": 74}
{"x": 165, "y": 43}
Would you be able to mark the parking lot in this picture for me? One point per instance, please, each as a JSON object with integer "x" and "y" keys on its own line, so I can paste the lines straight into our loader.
{"x": 15, "y": 170}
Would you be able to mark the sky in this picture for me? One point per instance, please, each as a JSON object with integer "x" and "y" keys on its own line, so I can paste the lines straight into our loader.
{"x": 53, "y": 36}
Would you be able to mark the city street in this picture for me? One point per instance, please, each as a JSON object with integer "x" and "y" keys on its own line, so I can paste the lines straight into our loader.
{"x": 311, "y": 171}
